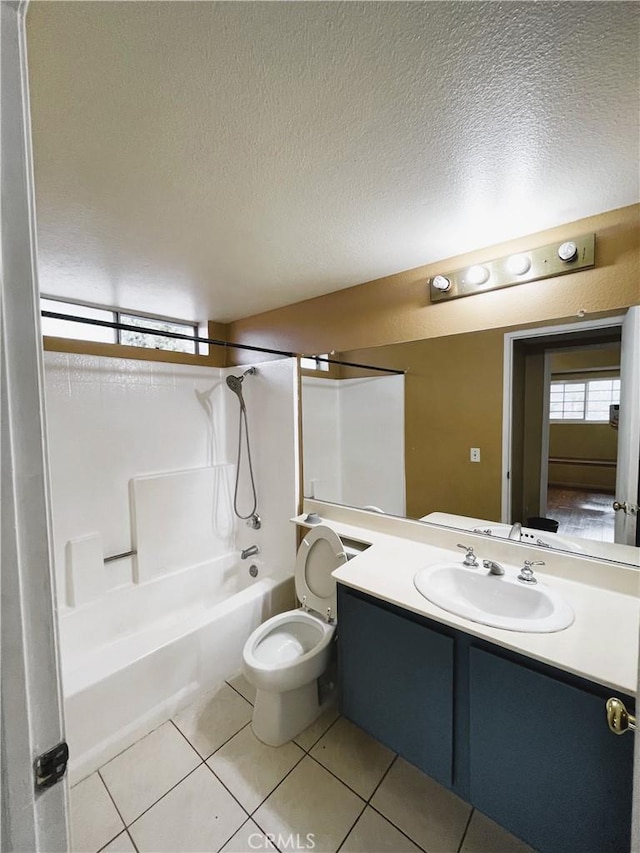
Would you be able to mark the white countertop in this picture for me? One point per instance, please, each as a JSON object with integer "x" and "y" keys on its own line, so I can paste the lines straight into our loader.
{"x": 601, "y": 645}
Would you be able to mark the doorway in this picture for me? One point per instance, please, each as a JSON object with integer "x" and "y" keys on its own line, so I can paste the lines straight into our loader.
{"x": 581, "y": 398}
{"x": 560, "y": 438}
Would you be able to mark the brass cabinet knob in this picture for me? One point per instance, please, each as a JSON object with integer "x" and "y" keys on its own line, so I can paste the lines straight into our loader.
{"x": 618, "y": 718}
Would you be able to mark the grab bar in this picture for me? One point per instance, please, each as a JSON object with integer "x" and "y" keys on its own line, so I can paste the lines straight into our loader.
{"x": 119, "y": 556}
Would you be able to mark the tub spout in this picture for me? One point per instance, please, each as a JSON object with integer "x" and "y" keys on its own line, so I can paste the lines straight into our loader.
{"x": 251, "y": 551}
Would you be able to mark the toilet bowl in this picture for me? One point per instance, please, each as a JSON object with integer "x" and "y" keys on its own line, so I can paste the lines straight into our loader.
{"x": 284, "y": 657}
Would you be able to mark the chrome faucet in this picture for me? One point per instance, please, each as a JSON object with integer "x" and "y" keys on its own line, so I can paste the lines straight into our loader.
{"x": 526, "y": 573}
{"x": 516, "y": 531}
{"x": 494, "y": 568}
{"x": 470, "y": 558}
{"x": 251, "y": 551}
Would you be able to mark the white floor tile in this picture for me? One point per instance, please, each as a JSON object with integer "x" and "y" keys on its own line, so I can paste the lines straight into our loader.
{"x": 353, "y": 756}
{"x": 485, "y": 836}
{"x": 240, "y": 683}
{"x": 373, "y": 832}
{"x": 314, "y": 732}
{"x": 250, "y": 769}
{"x": 121, "y": 844}
{"x": 197, "y": 815}
{"x": 213, "y": 719}
{"x": 248, "y": 838}
{"x": 312, "y": 802}
{"x": 143, "y": 773}
{"x": 429, "y": 814}
{"x": 94, "y": 819}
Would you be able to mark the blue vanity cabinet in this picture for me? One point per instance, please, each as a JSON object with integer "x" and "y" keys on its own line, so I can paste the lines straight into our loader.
{"x": 525, "y": 743}
{"x": 543, "y": 762}
{"x": 396, "y": 682}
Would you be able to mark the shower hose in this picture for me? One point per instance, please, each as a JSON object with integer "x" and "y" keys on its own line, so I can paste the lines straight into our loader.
{"x": 243, "y": 419}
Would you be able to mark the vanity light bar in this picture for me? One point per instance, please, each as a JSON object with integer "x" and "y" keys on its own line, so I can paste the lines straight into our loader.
{"x": 544, "y": 262}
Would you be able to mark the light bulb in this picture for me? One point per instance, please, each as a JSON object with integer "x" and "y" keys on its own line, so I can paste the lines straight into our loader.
{"x": 519, "y": 264}
{"x": 441, "y": 282}
{"x": 477, "y": 275}
{"x": 568, "y": 251}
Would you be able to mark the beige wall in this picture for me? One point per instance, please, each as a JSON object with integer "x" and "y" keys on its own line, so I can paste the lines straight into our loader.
{"x": 397, "y": 308}
{"x": 586, "y": 359}
{"x": 453, "y": 401}
{"x": 595, "y": 442}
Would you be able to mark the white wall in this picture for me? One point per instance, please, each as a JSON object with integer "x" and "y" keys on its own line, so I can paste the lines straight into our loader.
{"x": 321, "y": 438}
{"x": 271, "y": 398}
{"x": 112, "y": 420}
{"x": 372, "y": 432}
{"x": 353, "y": 441}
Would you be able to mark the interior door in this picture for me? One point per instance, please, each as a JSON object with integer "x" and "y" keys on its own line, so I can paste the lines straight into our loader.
{"x": 33, "y": 814}
{"x": 626, "y": 499}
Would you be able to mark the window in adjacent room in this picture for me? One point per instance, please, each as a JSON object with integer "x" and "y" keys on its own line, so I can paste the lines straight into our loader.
{"x": 584, "y": 400}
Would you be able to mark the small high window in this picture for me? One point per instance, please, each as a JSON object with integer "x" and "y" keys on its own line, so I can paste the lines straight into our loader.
{"x": 81, "y": 331}
{"x": 126, "y": 337}
{"x": 314, "y": 362}
{"x": 585, "y": 400}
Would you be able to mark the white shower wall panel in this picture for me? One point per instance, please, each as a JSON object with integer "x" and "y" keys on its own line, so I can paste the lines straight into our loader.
{"x": 321, "y": 430}
{"x": 271, "y": 398}
{"x": 182, "y": 518}
{"x": 353, "y": 436}
{"x": 108, "y": 420}
{"x": 111, "y": 420}
{"x": 372, "y": 430}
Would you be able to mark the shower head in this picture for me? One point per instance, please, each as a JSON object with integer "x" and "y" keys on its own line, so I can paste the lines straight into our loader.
{"x": 235, "y": 383}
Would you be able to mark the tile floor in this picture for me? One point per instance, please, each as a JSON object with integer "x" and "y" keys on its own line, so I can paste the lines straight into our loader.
{"x": 203, "y": 782}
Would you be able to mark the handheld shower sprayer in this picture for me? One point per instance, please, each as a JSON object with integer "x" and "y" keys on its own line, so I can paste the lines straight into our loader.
{"x": 235, "y": 384}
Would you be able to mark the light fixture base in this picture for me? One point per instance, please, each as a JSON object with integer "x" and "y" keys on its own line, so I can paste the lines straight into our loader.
{"x": 545, "y": 262}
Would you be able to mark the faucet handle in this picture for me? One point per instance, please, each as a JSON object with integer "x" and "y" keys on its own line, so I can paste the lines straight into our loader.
{"x": 470, "y": 558}
{"x": 526, "y": 573}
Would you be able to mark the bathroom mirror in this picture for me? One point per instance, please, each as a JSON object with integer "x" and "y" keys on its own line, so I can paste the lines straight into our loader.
{"x": 452, "y": 401}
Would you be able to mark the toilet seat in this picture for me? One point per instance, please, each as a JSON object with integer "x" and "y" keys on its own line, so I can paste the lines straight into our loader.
{"x": 266, "y": 664}
{"x": 320, "y": 553}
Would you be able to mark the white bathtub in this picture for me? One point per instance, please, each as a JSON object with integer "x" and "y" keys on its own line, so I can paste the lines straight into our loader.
{"x": 142, "y": 652}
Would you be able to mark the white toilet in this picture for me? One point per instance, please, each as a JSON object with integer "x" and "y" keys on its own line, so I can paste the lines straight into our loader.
{"x": 284, "y": 657}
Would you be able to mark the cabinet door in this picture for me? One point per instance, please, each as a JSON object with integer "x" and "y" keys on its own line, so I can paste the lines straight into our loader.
{"x": 396, "y": 680}
{"x": 543, "y": 761}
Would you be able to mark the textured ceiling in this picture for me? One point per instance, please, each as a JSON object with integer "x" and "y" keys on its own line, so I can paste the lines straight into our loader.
{"x": 215, "y": 160}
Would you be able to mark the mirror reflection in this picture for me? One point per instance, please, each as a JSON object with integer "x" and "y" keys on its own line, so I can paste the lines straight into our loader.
{"x": 353, "y": 434}
{"x": 429, "y": 444}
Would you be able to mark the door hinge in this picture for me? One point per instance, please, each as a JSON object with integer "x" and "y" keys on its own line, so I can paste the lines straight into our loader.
{"x": 51, "y": 766}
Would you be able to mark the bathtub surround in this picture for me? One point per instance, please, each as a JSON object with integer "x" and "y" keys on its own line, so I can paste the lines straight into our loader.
{"x": 86, "y": 570}
{"x": 339, "y": 442}
{"x": 142, "y": 457}
{"x": 180, "y": 519}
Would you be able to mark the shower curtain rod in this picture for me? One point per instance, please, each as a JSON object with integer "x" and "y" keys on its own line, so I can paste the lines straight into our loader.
{"x": 126, "y": 327}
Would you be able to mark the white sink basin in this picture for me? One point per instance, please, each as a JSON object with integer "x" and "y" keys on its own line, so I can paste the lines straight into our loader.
{"x": 500, "y": 601}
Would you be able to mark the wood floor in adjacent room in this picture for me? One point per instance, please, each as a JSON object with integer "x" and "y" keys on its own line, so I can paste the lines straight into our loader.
{"x": 582, "y": 513}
